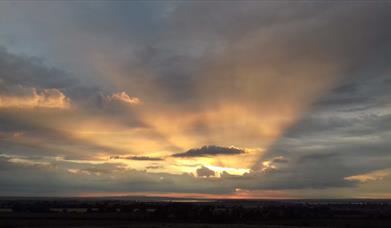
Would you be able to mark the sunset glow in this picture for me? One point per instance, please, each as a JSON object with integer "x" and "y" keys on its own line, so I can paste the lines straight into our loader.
{"x": 195, "y": 99}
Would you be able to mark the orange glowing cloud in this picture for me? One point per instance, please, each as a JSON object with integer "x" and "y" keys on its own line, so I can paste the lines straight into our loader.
{"x": 47, "y": 98}
{"x": 371, "y": 176}
{"x": 124, "y": 97}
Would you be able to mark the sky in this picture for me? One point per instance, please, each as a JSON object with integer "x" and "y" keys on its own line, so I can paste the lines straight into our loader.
{"x": 211, "y": 99}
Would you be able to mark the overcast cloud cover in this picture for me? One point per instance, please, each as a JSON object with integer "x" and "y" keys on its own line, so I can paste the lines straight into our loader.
{"x": 233, "y": 99}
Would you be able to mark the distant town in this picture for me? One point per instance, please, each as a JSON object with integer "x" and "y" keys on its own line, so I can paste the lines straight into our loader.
{"x": 122, "y": 211}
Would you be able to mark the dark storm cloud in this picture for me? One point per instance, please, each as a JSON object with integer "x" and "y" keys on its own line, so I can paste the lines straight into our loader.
{"x": 210, "y": 151}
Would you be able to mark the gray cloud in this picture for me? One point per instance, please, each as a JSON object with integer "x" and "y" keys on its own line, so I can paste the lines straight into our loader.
{"x": 210, "y": 150}
{"x": 279, "y": 159}
{"x": 19, "y": 70}
{"x": 137, "y": 158}
{"x": 204, "y": 172}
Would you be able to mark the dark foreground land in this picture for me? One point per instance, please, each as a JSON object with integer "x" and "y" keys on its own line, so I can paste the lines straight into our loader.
{"x": 172, "y": 213}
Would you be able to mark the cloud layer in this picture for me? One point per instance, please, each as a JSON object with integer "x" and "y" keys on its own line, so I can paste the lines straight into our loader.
{"x": 121, "y": 97}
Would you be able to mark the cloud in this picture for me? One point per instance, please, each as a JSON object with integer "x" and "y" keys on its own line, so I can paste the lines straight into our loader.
{"x": 91, "y": 171}
{"x": 273, "y": 164}
{"x": 47, "y": 98}
{"x": 30, "y": 72}
{"x": 154, "y": 167}
{"x": 137, "y": 158}
{"x": 124, "y": 97}
{"x": 310, "y": 84}
{"x": 204, "y": 172}
{"x": 210, "y": 151}
{"x": 280, "y": 159}
{"x": 371, "y": 176}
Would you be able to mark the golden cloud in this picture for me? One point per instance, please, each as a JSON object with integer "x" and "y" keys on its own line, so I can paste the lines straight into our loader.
{"x": 47, "y": 98}
{"x": 371, "y": 176}
{"x": 124, "y": 97}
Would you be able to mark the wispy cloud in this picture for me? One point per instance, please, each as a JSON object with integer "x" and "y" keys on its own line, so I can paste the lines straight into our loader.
{"x": 137, "y": 158}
